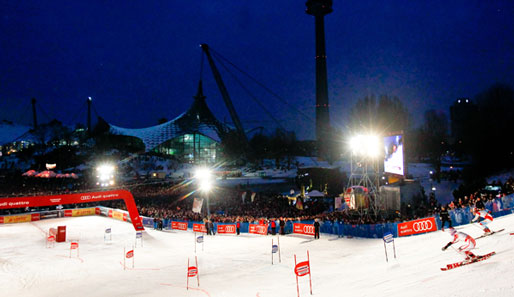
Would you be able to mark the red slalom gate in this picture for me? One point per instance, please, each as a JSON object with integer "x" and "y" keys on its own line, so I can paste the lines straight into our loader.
{"x": 74, "y": 245}
{"x": 179, "y": 226}
{"x": 128, "y": 255}
{"x": 302, "y": 269}
{"x": 192, "y": 271}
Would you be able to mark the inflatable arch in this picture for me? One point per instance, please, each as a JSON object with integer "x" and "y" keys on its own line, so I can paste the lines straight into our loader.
{"x": 75, "y": 198}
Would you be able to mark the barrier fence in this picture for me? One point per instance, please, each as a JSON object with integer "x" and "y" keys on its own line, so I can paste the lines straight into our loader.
{"x": 499, "y": 207}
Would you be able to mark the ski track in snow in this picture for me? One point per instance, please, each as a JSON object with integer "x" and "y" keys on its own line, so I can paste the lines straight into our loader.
{"x": 241, "y": 265}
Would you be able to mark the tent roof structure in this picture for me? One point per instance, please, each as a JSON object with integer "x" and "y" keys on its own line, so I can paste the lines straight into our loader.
{"x": 198, "y": 119}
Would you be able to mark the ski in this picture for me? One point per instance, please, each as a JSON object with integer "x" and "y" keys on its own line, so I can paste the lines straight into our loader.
{"x": 462, "y": 263}
{"x": 489, "y": 234}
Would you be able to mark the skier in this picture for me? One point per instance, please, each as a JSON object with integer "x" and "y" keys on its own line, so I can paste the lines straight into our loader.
{"x": 486, "y": 219}
{"x": 469, "y": 244}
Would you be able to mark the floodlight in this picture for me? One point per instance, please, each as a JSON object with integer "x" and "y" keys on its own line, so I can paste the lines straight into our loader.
{"x": 205, "y": 186}
{"x": 203, "y": 173}
{"x": 105, "y": 175}
{"x": 367, "y": 145}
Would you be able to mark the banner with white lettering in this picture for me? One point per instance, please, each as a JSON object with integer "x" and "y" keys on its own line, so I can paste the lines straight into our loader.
{"x": 305, "y": 229}
{"x": 227, "y": 229}
{"x": 258, "y": 229}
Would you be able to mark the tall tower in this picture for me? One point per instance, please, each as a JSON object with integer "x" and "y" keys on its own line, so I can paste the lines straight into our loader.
{"x": 320, "y": 8}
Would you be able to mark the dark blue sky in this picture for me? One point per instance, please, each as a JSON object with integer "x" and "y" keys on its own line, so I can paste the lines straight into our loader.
{"x": 140, "y": 60}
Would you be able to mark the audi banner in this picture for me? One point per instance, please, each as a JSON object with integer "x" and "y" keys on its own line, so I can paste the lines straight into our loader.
{"x": 258, "y": 229}
{"x": 227, "y": 229}
{"x": 417, "y": 227}
{"x": 199, "y": 228}
{"x": 76, "y": 198}
{"x": 305, "y": 229}
{"x": 179, "y": 226}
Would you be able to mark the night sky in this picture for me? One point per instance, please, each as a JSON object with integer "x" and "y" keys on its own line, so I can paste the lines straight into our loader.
{"x": 140, "y": 60}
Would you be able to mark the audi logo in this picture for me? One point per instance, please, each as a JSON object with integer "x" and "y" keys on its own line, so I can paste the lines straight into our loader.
{"x": 308, "y": 229}
{"x": 420, "y": 226}
{"x": 260, "y": 228}
{"x": 230, "y": 229}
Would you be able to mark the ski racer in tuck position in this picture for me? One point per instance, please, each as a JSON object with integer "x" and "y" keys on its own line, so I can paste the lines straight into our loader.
{"x": 483, "y": 218}
{"x": 468, "y": 243}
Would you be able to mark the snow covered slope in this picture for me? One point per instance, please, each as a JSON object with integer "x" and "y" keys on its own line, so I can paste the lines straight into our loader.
{"x": 241, "y": 266}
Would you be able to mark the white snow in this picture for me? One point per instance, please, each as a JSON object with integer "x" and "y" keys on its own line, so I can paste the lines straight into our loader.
{"x": 241, "y": 266}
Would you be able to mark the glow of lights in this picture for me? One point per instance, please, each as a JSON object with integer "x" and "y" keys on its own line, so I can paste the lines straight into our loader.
{"x": 205, "y": 186}
{"x": 204, "y": 177}
{"x": 203, "y": 173}
{"x": 367, "y": 145}
{"x": 105, "y": 174}
{"x": 433, "y": 189}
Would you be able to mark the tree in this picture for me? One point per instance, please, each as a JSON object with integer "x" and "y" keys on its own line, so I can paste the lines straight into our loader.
{"x": 434, "y": 135}
{"x": 493, "y": 144}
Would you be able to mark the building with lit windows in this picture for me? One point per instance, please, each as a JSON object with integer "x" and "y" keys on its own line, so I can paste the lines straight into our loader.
{"x": 194, "y": 136}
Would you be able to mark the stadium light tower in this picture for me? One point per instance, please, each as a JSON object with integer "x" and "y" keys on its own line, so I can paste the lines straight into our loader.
{"x": 203, "y": 177}
{"x": 365, "y": 172}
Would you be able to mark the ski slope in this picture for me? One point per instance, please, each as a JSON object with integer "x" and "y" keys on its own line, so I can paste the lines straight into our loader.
{"x": 241, "y": 266}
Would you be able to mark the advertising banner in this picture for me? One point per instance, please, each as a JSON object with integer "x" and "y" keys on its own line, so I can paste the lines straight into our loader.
{"x": 1, "y": 220}
{"x": 82, "y": 212}
{"x": 417, "y": 226}
{"x": 35, "y": 217}
{"x": 199, "y": 228}
{"x": 305, "y": 229}
{"x": 118, "y": 215}
{"x": 49, "y": 214}
{"x": 179, "y": 226}
{"x": 258, "y": 229}
{"x": 227, "y": 229}
{"x": 76, "y": 198}
{"x": 68, "y": 212}
{"x": 17, "y": 219}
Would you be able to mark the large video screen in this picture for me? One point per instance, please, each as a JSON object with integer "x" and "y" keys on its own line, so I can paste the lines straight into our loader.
{"x": 393, "y": 161}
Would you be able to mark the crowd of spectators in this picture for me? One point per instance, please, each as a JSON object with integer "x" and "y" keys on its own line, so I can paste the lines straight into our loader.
{"x": 173, "y": 200}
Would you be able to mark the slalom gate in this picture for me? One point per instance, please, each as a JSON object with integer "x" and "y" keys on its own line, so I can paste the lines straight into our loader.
{"x": 192, "y": 271}
{"x": 388, "y": 238}
{"x": 302, "y": 269}
{"x": 74, "y": 245}
{"x": 128, "y": 255}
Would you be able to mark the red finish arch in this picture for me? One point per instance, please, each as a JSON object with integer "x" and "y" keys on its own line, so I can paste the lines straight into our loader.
{"x": 87, "y": 197}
